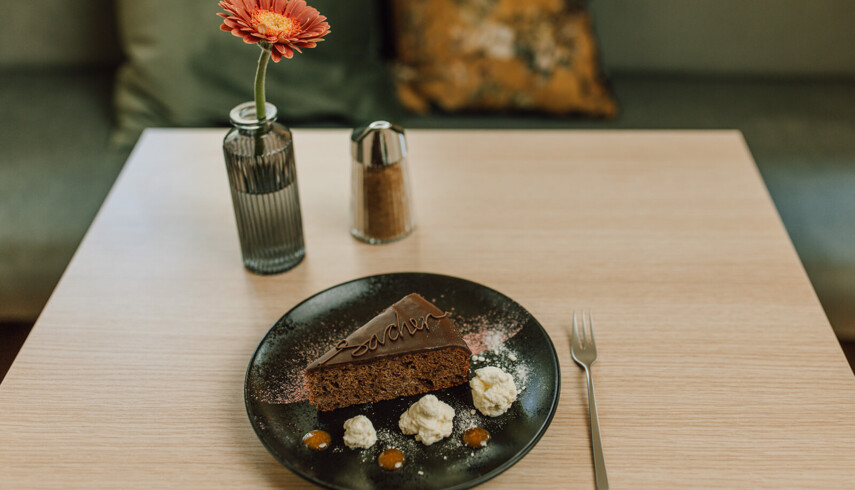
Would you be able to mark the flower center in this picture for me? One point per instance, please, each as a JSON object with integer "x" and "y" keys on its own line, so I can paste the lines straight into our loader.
{"x": 270, "y": 23}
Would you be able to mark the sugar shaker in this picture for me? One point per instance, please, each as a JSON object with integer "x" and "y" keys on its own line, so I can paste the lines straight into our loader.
{"x": 381, "y": 200}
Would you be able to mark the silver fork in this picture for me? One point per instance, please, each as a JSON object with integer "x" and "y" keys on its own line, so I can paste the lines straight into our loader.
{"x": 584, "y": 351}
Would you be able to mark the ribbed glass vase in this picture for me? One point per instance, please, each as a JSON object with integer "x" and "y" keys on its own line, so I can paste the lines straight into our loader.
{"x": 263, "y": 179}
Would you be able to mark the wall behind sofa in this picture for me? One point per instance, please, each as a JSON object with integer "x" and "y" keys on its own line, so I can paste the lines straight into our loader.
{"x": 772, "y": 37}
{"x": 755, "y": 37}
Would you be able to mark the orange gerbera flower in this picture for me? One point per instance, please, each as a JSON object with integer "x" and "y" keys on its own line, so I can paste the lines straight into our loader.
{"x": 283, "y": 26}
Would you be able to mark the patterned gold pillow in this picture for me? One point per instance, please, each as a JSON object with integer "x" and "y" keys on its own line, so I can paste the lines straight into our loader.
{"x": 532, "y": 55}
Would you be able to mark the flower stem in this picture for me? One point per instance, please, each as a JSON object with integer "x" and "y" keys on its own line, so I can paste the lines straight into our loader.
{"x": 260, "y": 102}
{"x": 260, "y": 74}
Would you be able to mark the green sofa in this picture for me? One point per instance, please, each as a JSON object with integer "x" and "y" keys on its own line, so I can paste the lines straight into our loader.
{"x": 797, "y": 113}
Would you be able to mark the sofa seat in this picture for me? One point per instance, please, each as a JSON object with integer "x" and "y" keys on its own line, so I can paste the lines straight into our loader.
{"x": 55, "y": 171}
{"x": 56, "y": 168}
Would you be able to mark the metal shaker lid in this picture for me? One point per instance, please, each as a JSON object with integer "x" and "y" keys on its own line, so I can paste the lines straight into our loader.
{"x": 380, "y": 143}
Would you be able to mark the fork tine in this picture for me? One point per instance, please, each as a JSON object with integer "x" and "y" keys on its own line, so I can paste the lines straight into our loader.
{"x": 591, "y": 324}
{"x": 584, "y": 330}
{"x": 574, "y": 340}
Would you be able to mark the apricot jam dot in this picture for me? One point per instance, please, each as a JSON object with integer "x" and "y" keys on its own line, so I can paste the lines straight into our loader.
{"x": 476, "y": 437}
{"x": 317, "y": 440}
{"x": 391, "y": 459}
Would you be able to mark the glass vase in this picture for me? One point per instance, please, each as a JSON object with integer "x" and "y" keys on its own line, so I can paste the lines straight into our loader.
{"x": 263, "y": 179}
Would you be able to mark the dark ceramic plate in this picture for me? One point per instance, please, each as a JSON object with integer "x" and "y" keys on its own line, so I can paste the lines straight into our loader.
{"x": 318, "y": 322}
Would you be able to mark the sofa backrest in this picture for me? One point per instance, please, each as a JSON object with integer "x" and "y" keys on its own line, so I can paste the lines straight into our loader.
{"x": 754, "y": 37}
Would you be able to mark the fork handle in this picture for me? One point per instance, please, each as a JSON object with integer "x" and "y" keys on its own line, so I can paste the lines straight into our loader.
{"x": 596, "y": 442}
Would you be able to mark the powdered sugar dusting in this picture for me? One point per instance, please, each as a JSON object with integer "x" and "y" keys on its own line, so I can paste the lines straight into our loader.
{"x": 295, "y": 388}
{"x": 483, "y": 333}
{"x": 509, "y": 360}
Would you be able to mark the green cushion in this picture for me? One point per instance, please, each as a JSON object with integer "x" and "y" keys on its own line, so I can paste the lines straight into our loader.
{"x": 182, "y": 70}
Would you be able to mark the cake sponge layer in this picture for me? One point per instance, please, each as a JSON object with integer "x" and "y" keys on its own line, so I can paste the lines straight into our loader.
{"x": 386, "y": 378}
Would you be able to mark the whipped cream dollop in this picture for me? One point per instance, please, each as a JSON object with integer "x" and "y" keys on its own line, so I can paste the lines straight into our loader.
{"x": 493, "y": 391}
{"x": 359, "y": 432}
{"x": 429, "y": 419}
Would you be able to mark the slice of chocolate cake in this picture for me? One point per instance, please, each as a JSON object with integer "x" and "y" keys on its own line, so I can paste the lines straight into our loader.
{"x": 412, "y": 347}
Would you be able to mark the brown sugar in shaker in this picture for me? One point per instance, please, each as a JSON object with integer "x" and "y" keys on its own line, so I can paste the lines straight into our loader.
{"x": 381, "y": 203}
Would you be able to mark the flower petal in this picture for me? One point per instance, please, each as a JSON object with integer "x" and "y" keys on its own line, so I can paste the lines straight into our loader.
{"x": 308, "y": 26}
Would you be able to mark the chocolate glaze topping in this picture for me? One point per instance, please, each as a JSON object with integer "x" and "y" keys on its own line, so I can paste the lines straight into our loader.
{"x": 413, "y": 324}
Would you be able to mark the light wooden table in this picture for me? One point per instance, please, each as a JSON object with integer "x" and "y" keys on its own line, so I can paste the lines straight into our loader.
{"x": 717, "y": 366}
